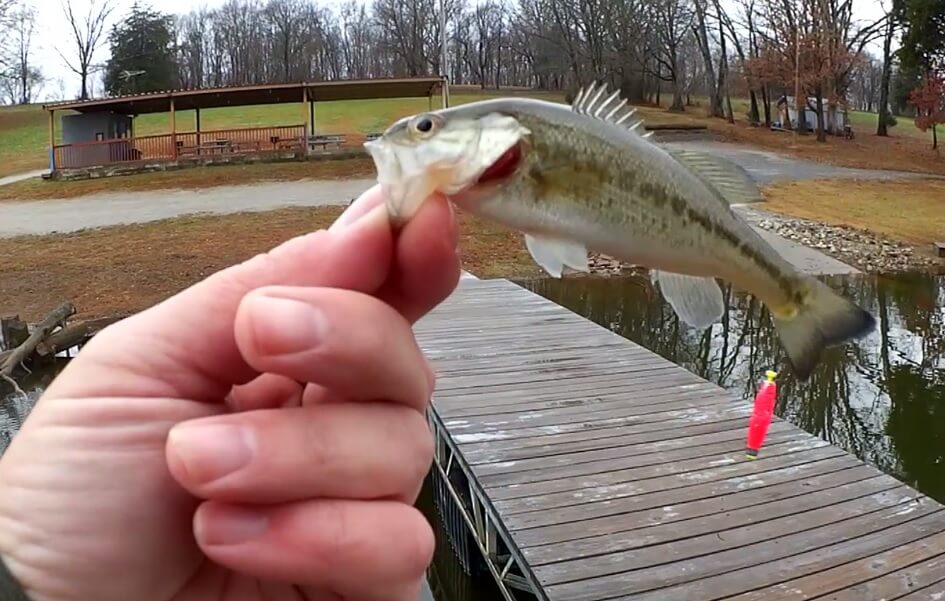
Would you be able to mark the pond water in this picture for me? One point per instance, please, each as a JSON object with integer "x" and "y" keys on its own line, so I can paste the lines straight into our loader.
{"x": 881, "y": 398}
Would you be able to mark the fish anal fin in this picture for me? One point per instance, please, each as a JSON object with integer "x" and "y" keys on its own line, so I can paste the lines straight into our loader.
{"x": 598, "y": 102}
{"x": 696, "y": 300}
{"x": 731, "y": 180}
{"x": 554, "y": 254}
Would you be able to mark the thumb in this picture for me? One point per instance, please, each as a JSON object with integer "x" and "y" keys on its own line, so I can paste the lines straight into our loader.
{"x": 185, "y": 347}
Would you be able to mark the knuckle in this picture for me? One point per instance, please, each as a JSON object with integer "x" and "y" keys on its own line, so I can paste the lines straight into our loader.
{"x": 420, "y": 443}
{"x": 343, "y": 538}
{"x": 419, "y": 545}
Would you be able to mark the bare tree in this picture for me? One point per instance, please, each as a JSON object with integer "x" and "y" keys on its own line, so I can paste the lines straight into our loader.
{"x": 22, "y": 76}
{"x": 87, "y": 34}
{"x": 674, "y": 21}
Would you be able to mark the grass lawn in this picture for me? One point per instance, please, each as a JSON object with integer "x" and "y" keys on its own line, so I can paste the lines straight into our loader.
{"x": 23, "y": 134}
{"x": 125, "y": 269}
{"x": 912, "y": 212}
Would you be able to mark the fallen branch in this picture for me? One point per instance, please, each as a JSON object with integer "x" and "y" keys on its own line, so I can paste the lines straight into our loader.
{"x": 16, "y": 386}
{"x": 39, "y": 333}
{"x": 73, "y": 335}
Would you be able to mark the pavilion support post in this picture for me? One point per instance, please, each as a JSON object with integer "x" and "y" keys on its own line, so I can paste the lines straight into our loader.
{"x": 174, "y": 129}
{"x": 197, "y": 124}
{"x": 52, "y": 141}
{"x": 309, "y": 113}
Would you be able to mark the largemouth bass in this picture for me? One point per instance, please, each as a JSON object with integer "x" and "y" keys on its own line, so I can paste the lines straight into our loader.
{"x": 585, "y": 178}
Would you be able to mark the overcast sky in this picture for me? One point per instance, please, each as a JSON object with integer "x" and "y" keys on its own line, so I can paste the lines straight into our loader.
{"x": 53, "y": 32}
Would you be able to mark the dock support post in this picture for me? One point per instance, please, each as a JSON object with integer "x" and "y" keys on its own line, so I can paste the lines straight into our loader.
{"x": 498, "y": 554}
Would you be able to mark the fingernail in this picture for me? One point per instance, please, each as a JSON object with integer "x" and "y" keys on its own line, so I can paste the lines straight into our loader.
{"x": 285, "y": 326}
{"x": 454, "y": 227}
{"x": 211, "y": 451}
{"x": 230, "y": 526}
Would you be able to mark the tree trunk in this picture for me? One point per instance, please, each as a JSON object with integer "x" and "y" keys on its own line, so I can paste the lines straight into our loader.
{"x": 821, "y": 133}
{"x": 753, "y": 107}
{"x": 884, "y": 83}
{"x": 766, "y": 104}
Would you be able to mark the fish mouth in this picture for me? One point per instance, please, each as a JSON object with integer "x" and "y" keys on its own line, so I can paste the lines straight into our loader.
{"x": 503, "y": 167}
{"x": 407, "y": 181}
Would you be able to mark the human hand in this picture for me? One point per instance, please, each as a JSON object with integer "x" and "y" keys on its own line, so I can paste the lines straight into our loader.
{"x": 177, "y": 457}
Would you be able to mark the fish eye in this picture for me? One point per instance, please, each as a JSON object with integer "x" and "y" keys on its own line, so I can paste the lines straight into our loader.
{"x": 424, "y": 124}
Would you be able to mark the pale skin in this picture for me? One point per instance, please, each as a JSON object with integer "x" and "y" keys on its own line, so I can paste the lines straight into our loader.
{"x": 258, "y": 437}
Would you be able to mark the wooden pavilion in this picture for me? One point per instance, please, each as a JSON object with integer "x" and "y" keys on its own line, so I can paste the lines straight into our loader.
{"x": 100, "y": 133}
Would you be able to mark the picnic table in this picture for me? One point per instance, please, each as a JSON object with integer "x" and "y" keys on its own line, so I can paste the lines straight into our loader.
{"x": 326, "y": 140}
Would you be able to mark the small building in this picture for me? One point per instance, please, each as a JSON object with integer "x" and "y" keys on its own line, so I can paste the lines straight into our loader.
{"x": 787, "y": 111}
{"x": 98, "y": 137}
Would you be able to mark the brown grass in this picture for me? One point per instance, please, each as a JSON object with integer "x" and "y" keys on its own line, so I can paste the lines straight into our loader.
{"x": 908, "y": 211}
{"x": 190, "y": 179}
{"x": 125, "y": 269}
{"x": 896, "y": 152}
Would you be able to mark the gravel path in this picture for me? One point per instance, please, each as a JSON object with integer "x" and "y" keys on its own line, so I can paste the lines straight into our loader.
{"x": 50, "y": 216}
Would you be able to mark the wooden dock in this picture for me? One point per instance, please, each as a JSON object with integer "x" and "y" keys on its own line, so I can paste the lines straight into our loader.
{"x": 589, "y": 468}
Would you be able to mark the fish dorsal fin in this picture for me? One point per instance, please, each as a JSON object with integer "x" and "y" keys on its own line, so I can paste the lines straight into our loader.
{"x": 595, "y": 101}
{"x": 696, "y": 300}
{"x": 553, "y": 255}
{"x": 731, "y": 180}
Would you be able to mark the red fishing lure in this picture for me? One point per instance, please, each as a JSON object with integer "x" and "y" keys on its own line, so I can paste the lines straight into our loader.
{"x": 761, "y": 415}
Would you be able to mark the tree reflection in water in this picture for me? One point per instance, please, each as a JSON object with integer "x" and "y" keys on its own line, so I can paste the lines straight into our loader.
{"x": 881, "y": 398}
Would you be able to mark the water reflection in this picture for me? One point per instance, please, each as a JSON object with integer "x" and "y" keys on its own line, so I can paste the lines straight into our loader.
{"x": 881, "y": 398}
{"x": 14, "y": 407}
{"x": 448, "y": 581}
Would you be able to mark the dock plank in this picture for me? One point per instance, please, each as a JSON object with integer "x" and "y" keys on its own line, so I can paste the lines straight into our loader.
{"x": 616, "y": 474}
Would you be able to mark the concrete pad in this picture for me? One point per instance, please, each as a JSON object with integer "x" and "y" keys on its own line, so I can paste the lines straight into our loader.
{"x": 19, "y": 177}
{"x": 767, "y": 167}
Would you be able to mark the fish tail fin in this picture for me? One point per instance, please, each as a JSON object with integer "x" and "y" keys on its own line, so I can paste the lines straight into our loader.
{"x": 824, "y": 319}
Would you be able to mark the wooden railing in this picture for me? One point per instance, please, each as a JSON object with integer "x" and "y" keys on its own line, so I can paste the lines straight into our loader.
{"x": 169, "y": 147}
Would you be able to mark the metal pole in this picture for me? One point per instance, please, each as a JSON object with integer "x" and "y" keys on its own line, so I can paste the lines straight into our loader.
{"x": 444, "y": 69}
{"x": 797, "y": 72}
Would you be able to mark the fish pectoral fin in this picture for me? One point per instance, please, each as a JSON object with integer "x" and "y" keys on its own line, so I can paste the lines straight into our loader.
{"x": 554, "y": 254}
{"x": 731, "y": 180}
{"x": 696, "y": 300}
